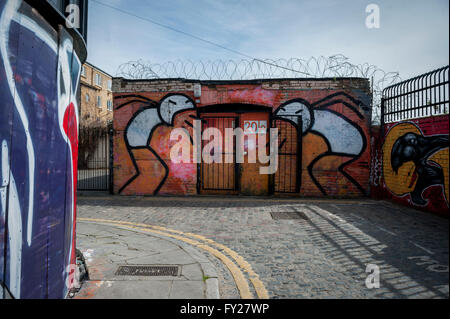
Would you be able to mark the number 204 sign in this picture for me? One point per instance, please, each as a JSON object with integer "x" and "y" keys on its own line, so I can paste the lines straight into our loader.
{"x": 255, "y": 126}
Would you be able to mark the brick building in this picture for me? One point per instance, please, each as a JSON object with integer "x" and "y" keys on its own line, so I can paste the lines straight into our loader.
{"x": 96, "y": 97}
{"x": 323, "y": 141}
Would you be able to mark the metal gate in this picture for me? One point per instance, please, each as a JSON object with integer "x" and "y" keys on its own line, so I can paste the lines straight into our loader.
{"x": 220, "y": 176}
{"x": 94, "y": 159}
{"x": 288, "y": 176}
{"x": 422, "y": 96}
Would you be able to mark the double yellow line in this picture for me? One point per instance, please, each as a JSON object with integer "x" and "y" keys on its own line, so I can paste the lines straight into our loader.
{"x": 206, "y": 244}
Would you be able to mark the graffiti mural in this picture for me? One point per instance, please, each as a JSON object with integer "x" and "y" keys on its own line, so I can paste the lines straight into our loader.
{"x": 39, "y": 72}
{"x": 343, "y": 137}
{"x": 141, "y": 127}
{"x": 414, "y": 162}
{"x": 334, "y": 161}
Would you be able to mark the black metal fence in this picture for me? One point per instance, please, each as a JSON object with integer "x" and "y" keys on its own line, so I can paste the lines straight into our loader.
{"x": 94, "y": 158}
{"x": 421, "y": 96}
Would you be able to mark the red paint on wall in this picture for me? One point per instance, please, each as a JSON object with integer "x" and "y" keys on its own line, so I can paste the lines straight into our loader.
{"x": 398, "y": 187}
{"x": 70, "y": 125}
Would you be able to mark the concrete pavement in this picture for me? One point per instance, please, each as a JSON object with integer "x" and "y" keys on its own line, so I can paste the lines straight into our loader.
{"x": 107, "y": 247}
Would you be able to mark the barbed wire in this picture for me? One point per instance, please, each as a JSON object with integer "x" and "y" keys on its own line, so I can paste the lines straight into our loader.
{"x": 334, "y": 66}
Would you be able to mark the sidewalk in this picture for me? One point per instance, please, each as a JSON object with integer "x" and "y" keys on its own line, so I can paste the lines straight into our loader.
{"x": 106, "y": 248}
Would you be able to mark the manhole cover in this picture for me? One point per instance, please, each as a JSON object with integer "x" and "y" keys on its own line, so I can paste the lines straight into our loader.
{"x": 288, "y": 215}
{"x": 148, "y": 270}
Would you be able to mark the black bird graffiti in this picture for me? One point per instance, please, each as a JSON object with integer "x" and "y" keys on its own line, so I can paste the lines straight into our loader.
{"x": 418, "y": 149}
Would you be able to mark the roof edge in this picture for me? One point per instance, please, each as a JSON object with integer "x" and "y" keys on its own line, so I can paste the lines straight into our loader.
{"x": 254, "y": 81}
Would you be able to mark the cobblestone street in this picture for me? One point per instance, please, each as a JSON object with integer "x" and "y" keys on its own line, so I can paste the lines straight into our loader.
{"x": 314, "y": 249}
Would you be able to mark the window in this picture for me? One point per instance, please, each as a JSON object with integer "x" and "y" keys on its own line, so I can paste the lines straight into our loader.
{"x": 87, "y": 98}
{"x": 83, "y": 71}
{"x": 98, "y": 79}
{"x": 99, "y": 101}
{"x": 109, "y": 85}
{"x": 109, "y": 105}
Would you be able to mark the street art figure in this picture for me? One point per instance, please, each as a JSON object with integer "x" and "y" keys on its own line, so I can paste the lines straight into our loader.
{"x": 413, "y": 163}
{"x": 343, "y": 137}
{"x": 141, "y": 126}
{"x": 416, "y": 148}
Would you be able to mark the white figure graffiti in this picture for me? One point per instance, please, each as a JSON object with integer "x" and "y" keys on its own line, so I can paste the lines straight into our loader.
{"x": 141, "y": 126}
{"x": 343, "y": 137}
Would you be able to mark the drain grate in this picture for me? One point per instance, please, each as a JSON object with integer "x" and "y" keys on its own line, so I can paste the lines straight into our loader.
{"x": 148, "y": 270}
{"x": 288, "y": 215}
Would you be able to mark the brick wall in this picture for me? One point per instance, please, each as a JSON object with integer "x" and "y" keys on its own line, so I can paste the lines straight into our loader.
{"x": 422, "y": 182}
{"x": 335, "y": 158}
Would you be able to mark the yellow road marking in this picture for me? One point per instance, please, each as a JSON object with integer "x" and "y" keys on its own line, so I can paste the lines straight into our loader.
{"x": 254, "y": 278}
{"x": 239, "y": 278}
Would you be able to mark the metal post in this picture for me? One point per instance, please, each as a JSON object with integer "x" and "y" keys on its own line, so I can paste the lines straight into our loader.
{"x": 111, "y": 159}
{"x": 299, "y": 154}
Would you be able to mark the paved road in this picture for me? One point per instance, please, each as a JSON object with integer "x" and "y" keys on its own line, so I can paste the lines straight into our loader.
{"x": 323, "y": 255}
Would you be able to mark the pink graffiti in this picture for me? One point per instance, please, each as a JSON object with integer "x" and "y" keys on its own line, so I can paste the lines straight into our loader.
{"x": 256, "y": 96}
{"x": 185, "y": 172}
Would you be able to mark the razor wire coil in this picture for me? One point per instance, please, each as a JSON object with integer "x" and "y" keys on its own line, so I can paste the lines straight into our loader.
{"x": 335, "y": 66}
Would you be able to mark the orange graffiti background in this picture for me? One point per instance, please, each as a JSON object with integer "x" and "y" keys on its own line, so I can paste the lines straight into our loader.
{"x": 182, "y": 178}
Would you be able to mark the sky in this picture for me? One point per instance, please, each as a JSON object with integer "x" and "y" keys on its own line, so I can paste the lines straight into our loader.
{"x": 413, "y": 37}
